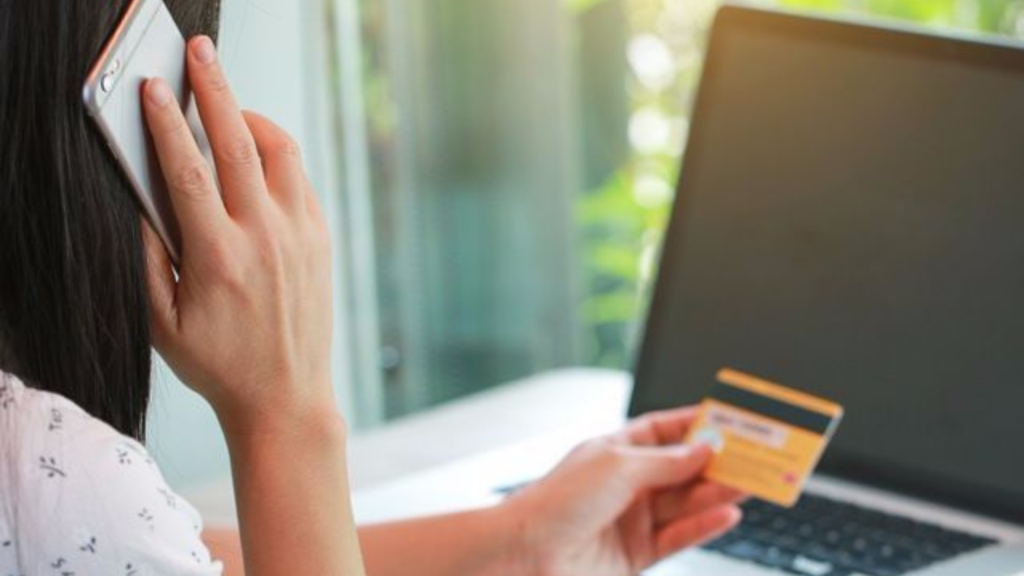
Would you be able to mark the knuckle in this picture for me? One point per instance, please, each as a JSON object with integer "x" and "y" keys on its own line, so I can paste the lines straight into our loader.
{"x": 216, "y": 83}
{"x": 615, "y": 459}
{"x": 241, "y": 152}
{"x": 272, "y": 262}
{"x": 268, "y": 249}
{"x": 175, "y": 125}
{"x": 286, "y": 147}
{"x": 191, "y": 180}
{"x": 225, "y": 266}
{"x": 613, "y": 462}
{"x": 219, "y": 257}
{"x": 269, "y": 240}
{"x": 235, "y": 279}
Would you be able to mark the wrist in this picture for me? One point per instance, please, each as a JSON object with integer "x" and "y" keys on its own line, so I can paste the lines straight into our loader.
{"x": 277, "y": 405}
{"x": 516, "y": 558}
{"x": 317, "y": 424}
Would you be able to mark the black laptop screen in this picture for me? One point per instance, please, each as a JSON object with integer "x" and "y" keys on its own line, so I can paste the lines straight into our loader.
{"x": 850, "y": 222}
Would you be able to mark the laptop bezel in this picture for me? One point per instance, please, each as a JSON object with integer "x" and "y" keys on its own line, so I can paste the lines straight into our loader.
{"x": 731, "y": 19}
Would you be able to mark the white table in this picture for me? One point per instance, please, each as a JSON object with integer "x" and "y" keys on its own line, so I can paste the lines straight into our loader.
{"x": 453, "y": 457}
{"x": 502, "y": 436}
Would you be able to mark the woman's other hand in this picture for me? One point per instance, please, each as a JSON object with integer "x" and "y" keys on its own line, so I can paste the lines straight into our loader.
{"x": 248, "y": 322}
{"x": 619, "y": 504}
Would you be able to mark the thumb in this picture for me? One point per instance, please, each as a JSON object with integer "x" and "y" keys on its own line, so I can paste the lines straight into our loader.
{"x": 664, "y": 466}
{"x": 162, "y": 287}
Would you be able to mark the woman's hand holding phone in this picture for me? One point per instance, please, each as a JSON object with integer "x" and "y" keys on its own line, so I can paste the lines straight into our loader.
{"x": 247, "y": 323}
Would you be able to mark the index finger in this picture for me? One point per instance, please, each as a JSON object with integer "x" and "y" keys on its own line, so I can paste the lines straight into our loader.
{"x": 239, "y": 166}
{"x": 660, "y": 428}
{"x": 194, "y": 196}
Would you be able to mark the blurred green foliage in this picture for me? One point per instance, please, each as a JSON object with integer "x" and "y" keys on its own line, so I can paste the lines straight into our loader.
{"x": 622, "y": 221}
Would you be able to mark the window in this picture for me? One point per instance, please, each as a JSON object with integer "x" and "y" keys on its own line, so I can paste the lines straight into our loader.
{"x": 518, "y": 162}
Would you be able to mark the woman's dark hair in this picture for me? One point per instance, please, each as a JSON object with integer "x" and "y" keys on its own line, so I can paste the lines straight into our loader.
{"x": 73, "y": 304}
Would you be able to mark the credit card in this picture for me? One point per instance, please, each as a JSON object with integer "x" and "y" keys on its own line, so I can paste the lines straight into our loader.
{"x": 767, "y": 438}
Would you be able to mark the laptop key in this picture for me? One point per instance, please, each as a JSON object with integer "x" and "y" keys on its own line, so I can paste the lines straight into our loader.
{"x": 745, "y": 550}
{"x": 777, "y": 558}
{"x": 811, "y": 567}
{"x": 823, "y": 537}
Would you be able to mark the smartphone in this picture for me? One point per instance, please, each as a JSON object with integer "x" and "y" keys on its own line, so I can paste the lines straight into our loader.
{"x": 146, "y": 44}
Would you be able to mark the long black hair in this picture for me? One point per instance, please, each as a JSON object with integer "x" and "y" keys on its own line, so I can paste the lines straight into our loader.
{"x": 73, "y": 305}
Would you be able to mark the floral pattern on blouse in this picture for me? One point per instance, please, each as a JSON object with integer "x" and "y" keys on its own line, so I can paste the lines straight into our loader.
{"x": 79, "y": 499}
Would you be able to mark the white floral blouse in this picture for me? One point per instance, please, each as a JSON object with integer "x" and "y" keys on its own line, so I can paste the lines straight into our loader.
{"x": 78, "y": 499}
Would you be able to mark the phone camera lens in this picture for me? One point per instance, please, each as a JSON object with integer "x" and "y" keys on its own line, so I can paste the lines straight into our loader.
{"x": 107, "y": 82}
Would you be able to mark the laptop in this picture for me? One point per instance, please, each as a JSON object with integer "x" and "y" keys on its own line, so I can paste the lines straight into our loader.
{"x": 850, "y": 222}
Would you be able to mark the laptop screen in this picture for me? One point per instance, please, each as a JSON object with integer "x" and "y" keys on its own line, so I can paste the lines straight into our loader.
{"x": 850, "y": 222}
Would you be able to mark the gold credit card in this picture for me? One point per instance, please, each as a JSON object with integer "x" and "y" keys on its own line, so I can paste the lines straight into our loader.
{"x": 767, "y": 438}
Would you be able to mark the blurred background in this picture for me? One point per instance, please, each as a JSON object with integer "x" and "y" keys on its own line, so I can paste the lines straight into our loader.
{"x": 497, "y": 174}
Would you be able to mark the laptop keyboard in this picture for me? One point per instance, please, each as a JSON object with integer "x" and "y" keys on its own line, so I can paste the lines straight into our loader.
{"x": 823, "y": 537}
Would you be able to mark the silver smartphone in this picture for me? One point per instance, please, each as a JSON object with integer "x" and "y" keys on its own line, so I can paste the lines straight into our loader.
{"x": 146, "y": 44}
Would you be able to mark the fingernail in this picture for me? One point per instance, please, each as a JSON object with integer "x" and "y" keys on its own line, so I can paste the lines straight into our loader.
{"x": 158, "y": 92}
{"x": 204, "y": 50}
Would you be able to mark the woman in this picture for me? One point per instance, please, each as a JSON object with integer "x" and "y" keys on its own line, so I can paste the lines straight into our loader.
{"x": 86, "y": 288}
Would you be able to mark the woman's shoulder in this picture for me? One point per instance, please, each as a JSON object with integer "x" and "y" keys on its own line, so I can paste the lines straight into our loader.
{"x": 50, "y": 437}
{"x": 77, "y": 496}
{"x": 43, "y": 417}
